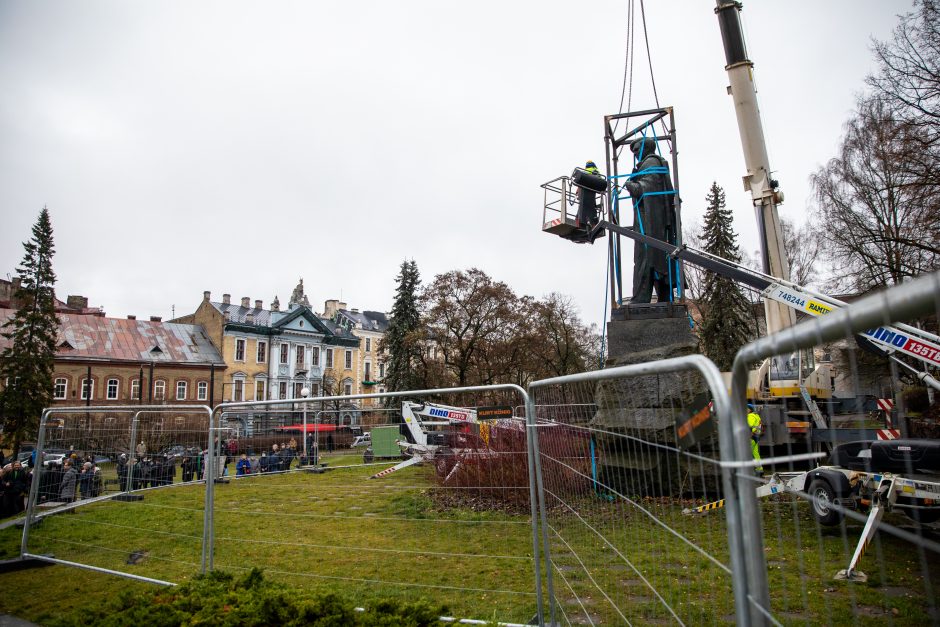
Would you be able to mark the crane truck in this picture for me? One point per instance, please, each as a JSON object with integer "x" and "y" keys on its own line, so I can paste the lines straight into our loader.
{"x": 872, "y": 477}
{"x": 787, "y": 388}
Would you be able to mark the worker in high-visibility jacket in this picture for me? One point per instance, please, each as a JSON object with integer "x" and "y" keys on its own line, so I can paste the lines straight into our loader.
{"x": 587, "y": 200}
{"x": 757, "y": 428}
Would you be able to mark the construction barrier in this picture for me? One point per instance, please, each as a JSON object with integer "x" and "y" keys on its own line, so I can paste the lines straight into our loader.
{"x": 630, "y": 495}
{"x": 619, "y": 454}
{"x": 849, "y": 534}
{"x": 93, "y": 499}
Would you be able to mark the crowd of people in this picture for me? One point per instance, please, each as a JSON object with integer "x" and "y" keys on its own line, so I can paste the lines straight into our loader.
{"x": 278, "y": 459}
{"x": 74, "y": 477}
{"x": 14, "y": 487}
{"x": 77, "y": 476}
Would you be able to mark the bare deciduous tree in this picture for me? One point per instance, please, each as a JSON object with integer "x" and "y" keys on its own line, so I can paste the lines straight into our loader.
{"x": 801, "y": 246}
{"x": 907, "y": 84}
{"x": 875, "y": 215}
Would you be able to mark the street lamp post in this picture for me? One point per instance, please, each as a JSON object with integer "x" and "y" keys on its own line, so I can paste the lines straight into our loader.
{"x": 316, "y": 434}
{"x": 305, "y": 392}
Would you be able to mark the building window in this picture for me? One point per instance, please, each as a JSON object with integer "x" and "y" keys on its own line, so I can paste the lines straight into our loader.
{"x": 135, "y": 389}
{"x": 368, "y": 344}
{"x": 348, "y": 360}
{"x": 61, "y": 388}
{"x": 314, "y": 389}
{"x": 112, "y": 389}
{"x": 159, "y": 390}
{"x": 238, "y": 391}
{"x": 347, "y": 388}
{"x": 262, "y": 352}
{"x": 329, "y": 358}
{"x": 260, "y": 390}
{"x": 282, "y": 389}
{"x": 202, "y": 391}
{"x": 297, "y": 388}
{"x": 314, "y": 356}
{"x": 88, "y": 389}
{"x": 181, "y": 390}
{"x": 382, "y": 370}
{"x": 239, "y": 350}
{"x": 285, "y": 349}
{"x": 368, "y": 375}
{"x": 300, "y": 356}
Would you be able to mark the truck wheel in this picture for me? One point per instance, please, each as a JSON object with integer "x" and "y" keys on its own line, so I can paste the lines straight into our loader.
{"x": 824, "y": 496}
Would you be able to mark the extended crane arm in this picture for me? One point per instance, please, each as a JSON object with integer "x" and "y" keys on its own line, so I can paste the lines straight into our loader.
{"x": 901, "y": 338}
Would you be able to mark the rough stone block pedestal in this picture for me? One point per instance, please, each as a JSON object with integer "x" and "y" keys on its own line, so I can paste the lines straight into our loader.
{"x": 646, "y": 408}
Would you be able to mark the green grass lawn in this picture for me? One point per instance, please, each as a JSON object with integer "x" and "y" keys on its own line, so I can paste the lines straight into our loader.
{"x": 638, "y": 556}
{"x": 390, "y": 538}
{"x": 321, "y": 532}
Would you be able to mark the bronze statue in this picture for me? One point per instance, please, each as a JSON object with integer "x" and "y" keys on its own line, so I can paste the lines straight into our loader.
{"x": 654, "y": 215}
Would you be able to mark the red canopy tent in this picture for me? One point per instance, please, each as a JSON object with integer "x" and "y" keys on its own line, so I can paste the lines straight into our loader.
{"x": 311, "y": 427}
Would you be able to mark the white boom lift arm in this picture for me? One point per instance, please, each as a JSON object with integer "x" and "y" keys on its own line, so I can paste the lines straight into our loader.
{"x": 420, "y": 419}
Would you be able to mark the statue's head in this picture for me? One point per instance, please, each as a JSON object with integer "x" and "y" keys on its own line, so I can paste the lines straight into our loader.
{"x": 643, "y": 146}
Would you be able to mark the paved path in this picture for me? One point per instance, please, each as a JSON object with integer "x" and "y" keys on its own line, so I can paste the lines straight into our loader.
{"x": 12, "y": 621}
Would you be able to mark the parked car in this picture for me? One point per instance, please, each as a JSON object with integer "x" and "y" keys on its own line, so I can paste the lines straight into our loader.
{"x": 177, "y": 451}
{"x": 362, "y": 440}
{"x": 53, "y": 458}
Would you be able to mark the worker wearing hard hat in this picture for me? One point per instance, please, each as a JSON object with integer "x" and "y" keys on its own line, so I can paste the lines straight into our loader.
{"x": 757, "y": 428}
{"x": 587, "y": 210}
{"x": 590, "y": 182}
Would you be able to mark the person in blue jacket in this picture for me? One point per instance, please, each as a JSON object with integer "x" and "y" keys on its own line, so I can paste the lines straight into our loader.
{"x": 243, "y": 467}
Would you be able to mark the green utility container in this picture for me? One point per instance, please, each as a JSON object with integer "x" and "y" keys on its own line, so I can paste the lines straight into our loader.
{"x": 383, "y": 442}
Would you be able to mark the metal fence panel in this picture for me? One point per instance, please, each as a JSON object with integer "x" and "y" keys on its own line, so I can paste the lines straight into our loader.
{"x": 97, "y": 472}
{"x": 456, "y": 529}
{"x": 622, "y": 456}
{"x": 849, "y": 535}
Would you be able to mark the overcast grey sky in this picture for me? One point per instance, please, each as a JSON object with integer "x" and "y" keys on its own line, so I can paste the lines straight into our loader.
{"x": 183, "y": 146}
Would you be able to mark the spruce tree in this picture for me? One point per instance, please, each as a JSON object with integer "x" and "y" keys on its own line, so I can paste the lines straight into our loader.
{"x": 399, "y": 340}
{"x": 724, "y": 328}
{"x": 28, "y": 362}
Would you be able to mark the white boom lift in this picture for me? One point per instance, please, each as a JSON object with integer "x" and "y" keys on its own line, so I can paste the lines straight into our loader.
{"x": 424, "y": 423}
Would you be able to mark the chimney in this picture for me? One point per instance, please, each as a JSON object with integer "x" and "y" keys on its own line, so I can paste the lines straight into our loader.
{"x": 245, "y": 302}
{"x": 227, "y": 316}
{"x": 206, "y": 295}
{"x": 131, "y": 317}
{"x": 355, "y": 310}
{"x": 76, "y": 302}
{"x": 250, "y": 318}
{"x": 226, "y": 299}
{"x": 258, "y": 304}
{"x": 155, "y": 319}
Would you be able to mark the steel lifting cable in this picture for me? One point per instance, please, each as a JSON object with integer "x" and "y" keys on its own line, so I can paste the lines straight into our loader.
{"x": 627, "y": 88}
{"x": 649, "y": 57}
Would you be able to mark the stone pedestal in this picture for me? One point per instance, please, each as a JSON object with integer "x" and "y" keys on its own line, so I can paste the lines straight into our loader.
{"x": 639, "y": 334}
{"x": 647, "y": 407}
